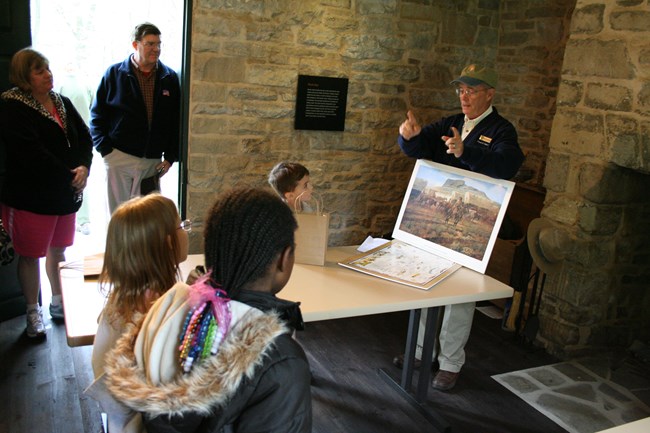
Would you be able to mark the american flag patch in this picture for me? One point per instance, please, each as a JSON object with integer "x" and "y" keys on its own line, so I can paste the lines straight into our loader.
{"x": 165, "y": 92}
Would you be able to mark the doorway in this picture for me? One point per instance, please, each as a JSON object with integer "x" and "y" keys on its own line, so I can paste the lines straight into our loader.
{"x": 81, "y": 39}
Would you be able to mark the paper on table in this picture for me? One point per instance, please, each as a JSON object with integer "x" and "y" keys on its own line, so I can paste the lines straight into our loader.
{"x": 371, "y": 243}
{"x": 403, "y": 263}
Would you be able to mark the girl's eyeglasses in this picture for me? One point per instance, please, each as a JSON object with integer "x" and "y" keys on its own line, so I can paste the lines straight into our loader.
{"x": 186, "y": 225}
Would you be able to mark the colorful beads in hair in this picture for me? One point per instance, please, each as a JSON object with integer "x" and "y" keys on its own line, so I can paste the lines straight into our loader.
{"x": 206, "y": 325}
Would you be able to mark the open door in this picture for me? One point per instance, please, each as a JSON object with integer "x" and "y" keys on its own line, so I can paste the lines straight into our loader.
{"x": 14, "y": 34}
{"x": 16, "y": 18}
{"x": 96, "y": 35}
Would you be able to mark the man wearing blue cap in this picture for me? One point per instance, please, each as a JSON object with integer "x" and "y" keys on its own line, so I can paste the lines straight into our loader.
{"x": 479, "y": 140}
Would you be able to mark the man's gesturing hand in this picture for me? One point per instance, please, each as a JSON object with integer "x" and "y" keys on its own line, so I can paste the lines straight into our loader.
{"x": 410, "y": 127}
{"x": 455, "y": 143}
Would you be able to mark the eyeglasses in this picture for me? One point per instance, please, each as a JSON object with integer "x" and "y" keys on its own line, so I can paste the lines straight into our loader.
{"x": 468, "y": 92}
{"x": 186, "y": 225}
{"x": 152, "y": 44}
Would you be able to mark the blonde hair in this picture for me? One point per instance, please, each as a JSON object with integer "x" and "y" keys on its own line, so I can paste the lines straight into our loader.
{"x": 141, "y": 255}
{"x": 21, "y": 67}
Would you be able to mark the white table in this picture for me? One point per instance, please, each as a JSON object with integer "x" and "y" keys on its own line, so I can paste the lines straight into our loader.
{"x": 334, "y": 292}
{"x": 324, "y": 292}
{"x": 83, "y": 302}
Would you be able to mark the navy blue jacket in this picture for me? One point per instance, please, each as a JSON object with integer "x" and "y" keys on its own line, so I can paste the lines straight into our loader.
{"x": 491, "y": 148}
{"x": 119, "y": 117}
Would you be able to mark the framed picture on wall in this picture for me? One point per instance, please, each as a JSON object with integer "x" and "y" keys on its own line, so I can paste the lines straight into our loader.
{"x": 449, "y": 218}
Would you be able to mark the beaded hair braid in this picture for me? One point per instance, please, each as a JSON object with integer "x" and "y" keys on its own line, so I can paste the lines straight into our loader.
{"x": 246, "y": 229}
{"x": 206, "y": 324}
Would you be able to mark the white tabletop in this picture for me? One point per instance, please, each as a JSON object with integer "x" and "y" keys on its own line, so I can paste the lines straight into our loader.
{"x": 325, "y": 292}
{"x": 334, "y": 292}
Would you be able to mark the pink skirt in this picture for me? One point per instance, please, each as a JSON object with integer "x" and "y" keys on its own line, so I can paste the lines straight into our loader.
{"x": 32, "y": 234}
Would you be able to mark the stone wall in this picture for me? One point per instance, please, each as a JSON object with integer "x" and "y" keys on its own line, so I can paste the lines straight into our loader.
{"x": 398, "y": 55}
{"x": 532, "y": 37}
{"x": 597, "y": 179}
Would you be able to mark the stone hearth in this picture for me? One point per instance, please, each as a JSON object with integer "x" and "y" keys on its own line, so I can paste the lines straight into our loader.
{"x": 597, "y": 179}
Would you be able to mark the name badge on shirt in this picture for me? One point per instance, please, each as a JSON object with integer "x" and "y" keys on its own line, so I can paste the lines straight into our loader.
{"x": 484, "y": 140}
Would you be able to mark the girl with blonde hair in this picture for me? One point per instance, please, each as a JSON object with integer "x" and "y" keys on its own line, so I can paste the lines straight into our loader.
{"x": 145, "y": 243}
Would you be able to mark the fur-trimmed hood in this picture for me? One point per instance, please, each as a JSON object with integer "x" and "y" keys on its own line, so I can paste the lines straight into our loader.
{"x": 142, "y": 370}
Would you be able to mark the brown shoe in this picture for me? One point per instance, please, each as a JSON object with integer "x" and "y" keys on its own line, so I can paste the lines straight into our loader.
{"x": 444, "y": 380}
{"x": 398, "y": 362}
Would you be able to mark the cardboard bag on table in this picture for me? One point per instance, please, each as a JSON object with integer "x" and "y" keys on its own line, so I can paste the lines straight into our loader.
{"x": 312, "y": 236}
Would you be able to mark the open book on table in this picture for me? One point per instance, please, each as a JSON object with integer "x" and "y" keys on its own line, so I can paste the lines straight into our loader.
{"x": 449, "y": 218}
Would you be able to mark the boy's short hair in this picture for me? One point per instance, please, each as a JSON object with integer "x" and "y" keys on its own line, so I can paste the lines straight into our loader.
{"x": 284, "y": 177}
{"x": 142, "y": 30}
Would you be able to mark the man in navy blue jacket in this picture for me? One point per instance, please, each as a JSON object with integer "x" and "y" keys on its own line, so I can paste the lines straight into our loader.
{"x": 135, "y": 117}
{"x": 479, "y": 140}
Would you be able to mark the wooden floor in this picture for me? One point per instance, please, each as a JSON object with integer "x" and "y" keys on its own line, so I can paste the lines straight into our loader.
{"x": 42, "y": 383}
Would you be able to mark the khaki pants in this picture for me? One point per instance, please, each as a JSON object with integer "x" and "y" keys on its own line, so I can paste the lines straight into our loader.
{"x": 124, "y": 173}
{"x": 454, "y": 333}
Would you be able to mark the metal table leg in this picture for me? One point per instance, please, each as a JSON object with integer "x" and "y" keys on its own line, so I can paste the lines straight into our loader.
{"x": 424, "y": 380}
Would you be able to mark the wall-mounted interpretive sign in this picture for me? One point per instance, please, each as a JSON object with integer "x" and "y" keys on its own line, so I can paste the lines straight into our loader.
{"x": 321, "y": 103}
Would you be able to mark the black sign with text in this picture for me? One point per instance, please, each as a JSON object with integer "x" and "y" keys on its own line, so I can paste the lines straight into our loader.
{"x": 321, "y": 103}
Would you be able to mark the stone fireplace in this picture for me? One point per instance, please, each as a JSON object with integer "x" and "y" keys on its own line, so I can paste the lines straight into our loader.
{"x": 598, "y": 181}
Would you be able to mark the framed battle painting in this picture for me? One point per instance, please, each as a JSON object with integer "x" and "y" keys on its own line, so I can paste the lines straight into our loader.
{"x": 449, "y": 218}
{"x": 453, "y": 213}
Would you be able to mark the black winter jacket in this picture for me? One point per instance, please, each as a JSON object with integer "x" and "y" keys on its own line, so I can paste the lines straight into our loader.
{"x": 259, "y": 380}
{"x": 40, "y": 154}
